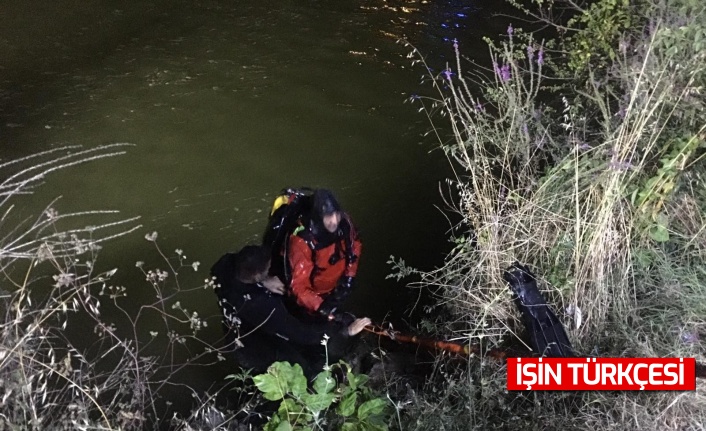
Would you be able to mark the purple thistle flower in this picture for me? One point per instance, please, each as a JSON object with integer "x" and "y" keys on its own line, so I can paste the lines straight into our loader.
{"x": 530, "y": 52}
{"x": 540, "y": 56}
{"x": 510, "y": 30}
{"x": 505, "y": 73}
{"x": 690, "y": 337}
{"x": 448, "y": 74}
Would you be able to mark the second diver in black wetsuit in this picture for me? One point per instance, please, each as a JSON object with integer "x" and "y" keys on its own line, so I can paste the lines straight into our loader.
{"x": 257, "y": 324}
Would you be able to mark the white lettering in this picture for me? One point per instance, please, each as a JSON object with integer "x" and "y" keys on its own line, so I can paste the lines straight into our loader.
{"x": 639, "y": 381}
{"x": 596, "y": 373}
{"x": 528, "y": 371}
{"x": 624, "y": 374}
{"x": 608, "y": 374}
{"x": 519, "y": 372}
{"x": 549, "y": 372}
{"x": 655, "y": 373}
{"x": 672, "y": 374}
{"x": 575, "y": 372}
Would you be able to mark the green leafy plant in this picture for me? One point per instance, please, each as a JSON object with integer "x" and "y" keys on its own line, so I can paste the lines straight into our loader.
{"x": 586, "y": 161}
{"x": 348, "y": 406}
{"x": 649, "y": 197}
{"x": 601, "y": 24}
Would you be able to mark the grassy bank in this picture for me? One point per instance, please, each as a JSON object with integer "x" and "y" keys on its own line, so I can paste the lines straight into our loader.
{"x": 583, "y": 157}
{"x": 77, "y": 349}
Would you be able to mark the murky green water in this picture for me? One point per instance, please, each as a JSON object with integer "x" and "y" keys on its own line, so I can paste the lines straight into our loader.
{"x": 227, "y": 102}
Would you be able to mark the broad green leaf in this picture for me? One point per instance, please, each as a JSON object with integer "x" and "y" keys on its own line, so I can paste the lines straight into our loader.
{"x": 297, "y": 381}
{"x": 270, "y": 386}
{"x": 659, "y": 233}
{"x": 376, "y": 427}
{"x": 347, "y": 405}
{"x": 361, "y": 379}
{"x": 289, "y": 378}
{"x": 351, "y": 380}
{"x": 324, "y": 383}
{"x": 284, "y": 426}
{"x": 372, "y": 407}
{"x": 344, "y": 390}
{"x": 644, "y": 258}
{"x": 284, "y": 370}
{"x": 317, "y": 402}
{"x": 289, "y": 406}
{"x": 375, "y": 423}
{"x": 273, "y": 423}
{"x": 349, "y": 426}
{"x": 293, "y": 412}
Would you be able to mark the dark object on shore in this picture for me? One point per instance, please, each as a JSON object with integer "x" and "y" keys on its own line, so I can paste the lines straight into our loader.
{"x": 546, "y": 333}
{"x": 701, "y": 370}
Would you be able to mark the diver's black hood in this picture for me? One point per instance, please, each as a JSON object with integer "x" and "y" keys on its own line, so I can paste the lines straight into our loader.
{"x": 323, "y": 203}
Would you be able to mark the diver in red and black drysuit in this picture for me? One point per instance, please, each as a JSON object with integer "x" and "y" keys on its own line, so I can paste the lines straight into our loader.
{"x": 323, "y": 255}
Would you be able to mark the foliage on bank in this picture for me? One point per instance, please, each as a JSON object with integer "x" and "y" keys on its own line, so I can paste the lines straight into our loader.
{"x": 348, "y": 404}
{"x": 582, "y": 156}
{"x": 66, "y": 363}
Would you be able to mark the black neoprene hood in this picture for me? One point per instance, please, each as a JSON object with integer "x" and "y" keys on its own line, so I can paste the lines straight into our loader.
{"x": 325, "y": 203}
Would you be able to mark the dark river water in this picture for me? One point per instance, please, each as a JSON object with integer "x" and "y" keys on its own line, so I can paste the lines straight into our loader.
{"x": 227, "y": 102}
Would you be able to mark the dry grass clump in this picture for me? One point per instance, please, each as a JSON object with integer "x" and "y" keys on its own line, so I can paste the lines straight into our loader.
{"x": 64, "y": 361}
{"x": 602, "y": 194}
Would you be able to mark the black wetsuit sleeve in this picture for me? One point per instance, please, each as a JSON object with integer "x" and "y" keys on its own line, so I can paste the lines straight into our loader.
{"x": 268, "y": 314}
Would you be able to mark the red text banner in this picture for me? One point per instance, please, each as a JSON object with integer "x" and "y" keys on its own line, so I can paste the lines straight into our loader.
{"x": 601, "y": 374}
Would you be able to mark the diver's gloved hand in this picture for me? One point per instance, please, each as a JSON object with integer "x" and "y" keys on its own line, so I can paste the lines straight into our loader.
{"x": 328, "y": 307}
{"x": 343, "y": 318}
{"x": 350, "y": 325}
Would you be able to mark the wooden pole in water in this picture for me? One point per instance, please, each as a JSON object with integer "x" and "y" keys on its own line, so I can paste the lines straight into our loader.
{"x": 431, "y": 344}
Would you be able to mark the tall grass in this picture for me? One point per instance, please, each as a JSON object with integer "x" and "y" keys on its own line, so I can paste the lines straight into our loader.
{"x": 64, "y": 361}
{"x": 595, "y": 178}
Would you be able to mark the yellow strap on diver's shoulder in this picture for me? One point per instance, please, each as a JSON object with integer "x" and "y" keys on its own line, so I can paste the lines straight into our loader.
{"x": 281, "y": 200}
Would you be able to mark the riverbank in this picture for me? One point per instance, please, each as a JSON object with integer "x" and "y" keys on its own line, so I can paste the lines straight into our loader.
{"x": 581, "y": 156}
